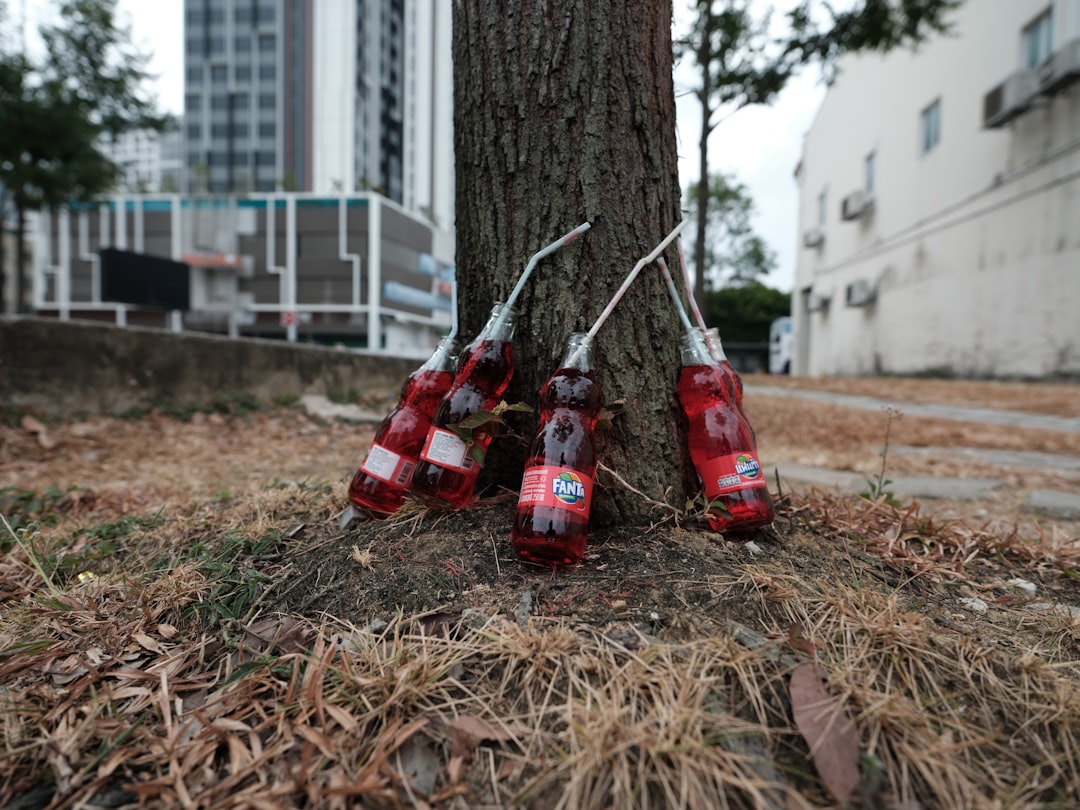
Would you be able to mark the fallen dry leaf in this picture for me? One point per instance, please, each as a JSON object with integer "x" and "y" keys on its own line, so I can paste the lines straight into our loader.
{"x": 467, "y": 732}
{"x": 32, "y": 425}
{"x": 827, "y": 729}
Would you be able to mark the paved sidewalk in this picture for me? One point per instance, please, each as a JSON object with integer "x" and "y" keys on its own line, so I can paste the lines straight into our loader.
{"x": 1064, "y": 505}
{"x": 984, "y": 416}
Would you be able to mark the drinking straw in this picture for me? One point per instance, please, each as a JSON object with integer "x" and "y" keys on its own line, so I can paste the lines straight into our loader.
{"x": 690, "y": 287}
{"x": 558, "y": 243}
{"x": 453, "y": 309}
{"x": 625, "y": 286}
{"x": 675, "y": 294}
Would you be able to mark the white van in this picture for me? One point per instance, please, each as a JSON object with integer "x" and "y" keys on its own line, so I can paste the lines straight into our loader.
{"x": 780, "y": 346}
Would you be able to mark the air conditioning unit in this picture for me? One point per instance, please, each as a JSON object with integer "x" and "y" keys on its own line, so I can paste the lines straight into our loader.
{"x": 855, "y": 205}
{"x": 815, "y": 237}
{"x": 1060, "y": 70}
{"x": 860, "y": 293}
{"x": 1009, "y": 99}
{"x": 818, "y": 302}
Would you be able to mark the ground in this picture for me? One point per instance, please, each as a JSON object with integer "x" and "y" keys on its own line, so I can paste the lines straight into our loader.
{"x": 193, "y": 568}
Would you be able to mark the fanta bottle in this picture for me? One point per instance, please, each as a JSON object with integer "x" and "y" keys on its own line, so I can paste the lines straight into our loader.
{"x": 556, "y": 491}
{"x": 449, "y": 466}
{"x": 379, "y": 487}
{"x": 721, "y": 444}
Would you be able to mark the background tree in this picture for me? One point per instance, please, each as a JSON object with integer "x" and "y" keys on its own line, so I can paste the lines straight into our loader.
{"x": 733, "y": 253}
{"x": 744, "y": 312}
{"x": 742, "y": 60}
{"x": 53, "y": 114}
{"x": 564, "y": 112}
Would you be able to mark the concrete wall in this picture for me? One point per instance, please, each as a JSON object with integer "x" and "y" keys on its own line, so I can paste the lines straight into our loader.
{"x": 61, "y": 368}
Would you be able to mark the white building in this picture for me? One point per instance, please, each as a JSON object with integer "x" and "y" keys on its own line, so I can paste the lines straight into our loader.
{"x": 149, "y": 161}
{"x": 323, "y": 96}
{"x": 939, "y": 204}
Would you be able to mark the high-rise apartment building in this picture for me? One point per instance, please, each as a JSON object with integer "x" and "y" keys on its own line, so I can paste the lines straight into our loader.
{"x": 325, "y": 96}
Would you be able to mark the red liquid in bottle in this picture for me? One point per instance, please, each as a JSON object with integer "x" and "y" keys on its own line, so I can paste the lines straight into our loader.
{"x": 722, "y": 447}
{"x": 380, "y": 485}
{"x": 556, "y": 491}
{"x": 736, "y": 383}
{"x": 447, "y": 471}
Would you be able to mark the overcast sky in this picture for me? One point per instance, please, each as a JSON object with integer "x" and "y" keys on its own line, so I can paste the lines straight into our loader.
{"x": 760, "y": 145}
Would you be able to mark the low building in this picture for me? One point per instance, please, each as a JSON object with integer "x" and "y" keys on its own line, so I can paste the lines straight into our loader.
{"x": 939, "y": 194}
{"x": 356, "y": 270}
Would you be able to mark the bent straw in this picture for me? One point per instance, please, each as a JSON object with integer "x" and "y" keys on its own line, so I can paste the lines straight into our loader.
{"x": 675, "y": 294}
{"x": 690, "y": 288}
{"x": 453, "y": 309}
{"x": 622, "y": 290}
{"x": 558, "y": 243}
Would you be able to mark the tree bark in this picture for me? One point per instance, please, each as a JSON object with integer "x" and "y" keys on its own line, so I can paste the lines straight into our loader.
{"x": 564, "y": 111}
{"x": 3, "y": 251}
{"x": 20, "y": 250}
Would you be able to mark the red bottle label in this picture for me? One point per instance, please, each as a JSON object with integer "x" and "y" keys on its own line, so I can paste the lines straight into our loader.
{"x": 731, "y": 473}
{"x": 388, "y": 466}
{"x": 557, "y": 487}
{"x": 446, "y": 449}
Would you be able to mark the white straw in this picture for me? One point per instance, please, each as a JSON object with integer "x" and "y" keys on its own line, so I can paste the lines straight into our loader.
{"x": 565, "y": 239}
{"x": 625, "y": 286}
{"x": 453, "y": 308}
{"x": 690, "y": 287}
{"x": 675, "y": 294}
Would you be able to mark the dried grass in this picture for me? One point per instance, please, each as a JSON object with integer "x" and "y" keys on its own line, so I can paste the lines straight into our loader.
{"x": 144, "y": 662}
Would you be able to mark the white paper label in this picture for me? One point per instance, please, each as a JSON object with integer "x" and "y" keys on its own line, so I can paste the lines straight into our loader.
{"x": 446, "y": 449}
{"x": 388, "y": 466}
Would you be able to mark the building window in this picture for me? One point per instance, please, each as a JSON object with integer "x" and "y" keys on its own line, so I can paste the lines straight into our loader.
{"x": 871, "y": 167}
{"x": 822, "y": 203}
{"x": 1038, "y": 38}
{"x": 931, "y": 126}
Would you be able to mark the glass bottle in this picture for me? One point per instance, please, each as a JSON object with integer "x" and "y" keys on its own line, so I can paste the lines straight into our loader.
{"x": 721, "y": 444}
{"x": 379, "y": 487}
{"x": 448, "y": 468}
{"x": 556, "y": 491}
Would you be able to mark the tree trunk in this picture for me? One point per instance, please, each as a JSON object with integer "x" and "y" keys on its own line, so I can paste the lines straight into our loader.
{"x": 20, "y": 278}
{"x": 3, "y": 251}
{"x": 564, "y": 111}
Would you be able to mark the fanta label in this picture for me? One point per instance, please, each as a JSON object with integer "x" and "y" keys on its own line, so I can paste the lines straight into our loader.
{"x": 557, "y": 487}
{"x": 731, "y": 473}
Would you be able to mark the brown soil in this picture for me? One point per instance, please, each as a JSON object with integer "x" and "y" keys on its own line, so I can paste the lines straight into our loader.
{"x": 671, "y": 582}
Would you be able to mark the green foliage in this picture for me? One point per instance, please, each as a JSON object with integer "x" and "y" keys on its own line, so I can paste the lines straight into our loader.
{"x": 742, "y": 59}
{"x": 230, "y": 565}
{"x": 53, "y": 114}
{"x": 878, "y": 487}
{"x": 745, "y": 312}
{"x": 23, "y": 507}
{"x": 733, "y": 252}
{"x": 481, "y": 423}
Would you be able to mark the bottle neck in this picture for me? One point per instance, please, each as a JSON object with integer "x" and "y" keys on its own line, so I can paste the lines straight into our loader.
{"x": 716, "y": 348}
{"x": 578, "y": 353}
{"x": 500, "y": 324}
{"x": 443, "y": 358}
{"x": 694, "y": 351}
